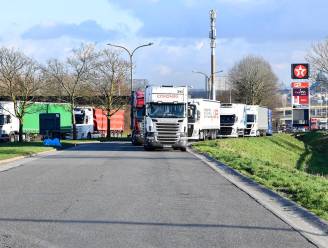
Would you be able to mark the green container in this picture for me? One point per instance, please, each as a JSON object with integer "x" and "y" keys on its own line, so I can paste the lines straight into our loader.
{"x": 31, "y": 123}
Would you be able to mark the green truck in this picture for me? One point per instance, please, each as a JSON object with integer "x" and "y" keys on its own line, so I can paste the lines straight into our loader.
{"x": 38, "y": 118}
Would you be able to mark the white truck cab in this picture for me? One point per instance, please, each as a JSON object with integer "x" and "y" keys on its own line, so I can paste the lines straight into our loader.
{"x": 9, "y": 123}
{"x": 257, "y": 121}
{"x": 232, "y": 119}
{"x": 84, "y": 122}
{"x": 165, "y": 124}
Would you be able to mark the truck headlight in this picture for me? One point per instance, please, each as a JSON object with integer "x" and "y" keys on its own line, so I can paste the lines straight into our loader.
{"x": 182, "y": 134}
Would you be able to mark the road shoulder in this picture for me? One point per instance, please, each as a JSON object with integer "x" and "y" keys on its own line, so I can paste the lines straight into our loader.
{"x": 314, "y": 229}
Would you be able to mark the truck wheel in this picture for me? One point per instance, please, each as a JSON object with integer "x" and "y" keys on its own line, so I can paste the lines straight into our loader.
{"x": 201, "y": 136}
{"x": 12, "y": 137}
{"x": 133, "y": 140}
{"x": 213, "y": 135}
{"x": 148, "y": 148}
{"x": 183, "y": 149}
{"x": 89, "y": 135}
{"x": 258, "y": 134}
{"x": 27, "y": 138}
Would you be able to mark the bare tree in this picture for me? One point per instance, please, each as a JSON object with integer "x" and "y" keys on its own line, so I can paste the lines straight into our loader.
{"x": 20, "y": 80}
{"x": 318, "y": 56}
{"x": 253, "y": 82}
{"x": 109, "y": 84}
{"x": 70, "y": 78}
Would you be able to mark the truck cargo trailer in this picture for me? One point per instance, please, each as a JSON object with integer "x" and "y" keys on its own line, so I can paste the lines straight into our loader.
{"x": 92, "y": 122}
{"x": 203, "y": 119}
{"x": 9, "y": 123}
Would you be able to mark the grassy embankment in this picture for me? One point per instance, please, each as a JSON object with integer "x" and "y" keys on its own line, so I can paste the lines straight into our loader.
{"x": 294, "y": 167}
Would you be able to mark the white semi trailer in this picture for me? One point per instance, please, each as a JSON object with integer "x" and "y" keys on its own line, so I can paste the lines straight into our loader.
{"x": 9, "y": 124}
{"x": 232, "y": 119}
{"x": 257, "y": 121}
{"x": 203, "y": 119}
{"x": 165, "y": 124}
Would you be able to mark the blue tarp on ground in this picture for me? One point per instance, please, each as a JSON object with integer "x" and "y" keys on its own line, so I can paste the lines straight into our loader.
{"x": 52, "y": 142}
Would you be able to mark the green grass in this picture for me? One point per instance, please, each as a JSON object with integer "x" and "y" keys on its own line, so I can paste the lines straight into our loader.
{"x": 11, "y": 150}
{"x": 282, "y": 163}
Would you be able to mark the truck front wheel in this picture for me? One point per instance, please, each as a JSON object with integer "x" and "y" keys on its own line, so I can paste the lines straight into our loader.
{"x": 12, "y": 137}
{"x": 148, "y": 148}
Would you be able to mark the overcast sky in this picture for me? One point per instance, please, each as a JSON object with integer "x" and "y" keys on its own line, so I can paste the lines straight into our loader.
{"x": 281, "y": 31}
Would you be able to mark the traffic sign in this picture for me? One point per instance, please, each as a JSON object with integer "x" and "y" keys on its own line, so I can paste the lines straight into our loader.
{"x": 300, "y": 71}
{"x": 300, "y": 85}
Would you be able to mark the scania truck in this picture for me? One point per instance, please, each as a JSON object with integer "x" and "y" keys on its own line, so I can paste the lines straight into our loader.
{"x": 166, "y": 120}
{"x": 232, "y": 119}
{"x": 203, "y": 119}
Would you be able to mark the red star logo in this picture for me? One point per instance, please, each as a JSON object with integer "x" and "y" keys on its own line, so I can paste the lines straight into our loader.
{"x": 300, "y": 71}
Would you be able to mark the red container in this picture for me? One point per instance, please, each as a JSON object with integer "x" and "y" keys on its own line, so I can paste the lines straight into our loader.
{"x": 117, "y": 121}
{"x": 100, "y": 121}
{"x": 139, "y": 99}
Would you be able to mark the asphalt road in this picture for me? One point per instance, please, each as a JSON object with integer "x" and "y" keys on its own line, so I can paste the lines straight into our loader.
{"x": 117, "y": 195}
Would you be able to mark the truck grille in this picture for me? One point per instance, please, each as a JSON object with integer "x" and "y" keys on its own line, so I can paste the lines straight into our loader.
{"x": 167, "y": 133}
{"x": 141, "y": 125}
{"x": 226, "y": 130}
{"x": 247, "y": 131}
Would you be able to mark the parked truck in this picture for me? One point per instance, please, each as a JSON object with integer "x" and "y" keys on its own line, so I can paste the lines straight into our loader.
{"x": 166, "y": 120}
{"x": 137, "y": 117}
{"x": 270, "y": 125}
{"x": 35, "y": 120}
{"x": 257, "y": 121}
{"x": 232, "y": 119}
{"x": 203, "y": 119}
{"x": 92, "y": 122}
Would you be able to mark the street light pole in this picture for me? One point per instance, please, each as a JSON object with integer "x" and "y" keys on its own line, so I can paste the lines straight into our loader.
{"x": 207, "y": 82}
{"x": 131, "y": 58}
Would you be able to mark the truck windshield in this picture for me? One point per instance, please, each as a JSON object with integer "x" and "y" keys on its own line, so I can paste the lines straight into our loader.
{"x": 166, "y": 110}
{"x": 250, "y": 118}
{"x": 227, "y": 119}
{"x": 140, "y": 113}
{"x": 2, "y": 119}
{"x": 79, "y": 118}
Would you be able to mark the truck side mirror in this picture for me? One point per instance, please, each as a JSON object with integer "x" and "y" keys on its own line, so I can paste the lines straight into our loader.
{"x": 198, "y": 114}
{"x": 189, "y": 113}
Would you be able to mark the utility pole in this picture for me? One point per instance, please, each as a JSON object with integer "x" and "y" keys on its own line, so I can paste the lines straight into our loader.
{"x": 212, "y": 36}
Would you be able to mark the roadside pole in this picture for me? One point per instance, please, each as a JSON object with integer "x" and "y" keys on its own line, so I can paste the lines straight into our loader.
{"x": 212, "y": 36}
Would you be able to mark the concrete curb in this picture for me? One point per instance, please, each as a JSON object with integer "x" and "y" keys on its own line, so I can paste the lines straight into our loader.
{"x": 311, "y": 227}
{"x": 5, "y": 161}
{"x": 11, "y": 163}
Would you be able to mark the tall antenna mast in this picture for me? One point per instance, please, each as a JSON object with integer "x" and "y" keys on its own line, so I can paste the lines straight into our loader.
{"x": 212, "y": 36}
